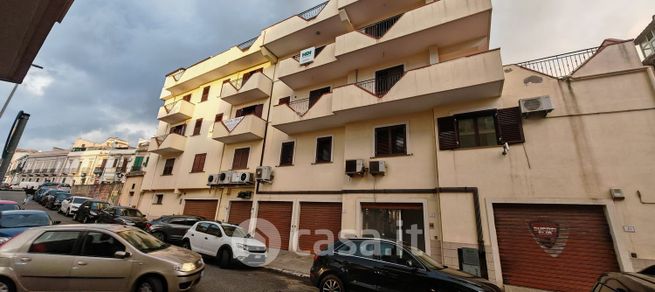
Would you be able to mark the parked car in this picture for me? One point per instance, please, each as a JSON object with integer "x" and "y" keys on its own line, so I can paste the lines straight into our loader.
{"x": 41, "y": 192}
{"x": 122, "y": 215}
{"x": 383, "y": 265}
{"x": 25, "y": 185}
{"x": 627, "y": 282}
{"x": 6, "y": 205}
{"x": 96, "y": 258}
{"x": 89, "y": 210}
{"x": 70, "y": 205}
{"x": 228, "y": 243}
{"x": 15, "y": 222}
{"x": 55, "y": 199}
{"x": 171, "y": 228}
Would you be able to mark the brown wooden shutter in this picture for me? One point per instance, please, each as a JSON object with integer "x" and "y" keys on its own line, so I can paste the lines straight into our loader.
{"x": 448, "y": 136}
{"x": 284, "y": 100}
{"x": 239, "y": 113}
{"x": 124, "y": 166}
{"x": 241, "y": 158}
{"x": 218, "y": 118}
{"x": 510, "y": 125}
{"x": 205, "y": 94}
{"x": 104, "y": 163}
{"x": 187, "y": 97}
{"x": 199, "y": 163}
{"x": 197, "y": 127}
{"x": 259, "y": 109}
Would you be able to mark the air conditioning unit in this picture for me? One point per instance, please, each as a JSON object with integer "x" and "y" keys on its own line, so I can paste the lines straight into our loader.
{"x": 213, "y": 179}
{"x": 242, "y": 178}
{"x": 355, "y": 167}
{"x": 377, "y": 168}
{"x": 264, "y": 174}
{"x": 225, "y": 178}
{"x": 541, "y": 105}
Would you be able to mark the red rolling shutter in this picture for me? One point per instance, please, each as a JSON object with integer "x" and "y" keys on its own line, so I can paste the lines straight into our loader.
{"x": 239, "y": 211}
{"x": 279, "y": 214}
{"x": 202, "y": 208}
{"x": 318, "y": 216}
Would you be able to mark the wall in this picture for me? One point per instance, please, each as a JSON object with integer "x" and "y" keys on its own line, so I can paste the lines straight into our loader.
{"x": 106, "y": 192}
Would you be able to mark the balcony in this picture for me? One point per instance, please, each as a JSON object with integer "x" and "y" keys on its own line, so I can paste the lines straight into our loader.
{"x": 176, "y": 112}
{"x": 361, "y": 11}
{"x": 317, "y": 25}
{"x": 440, "y": 24}
{"x": 469, "y": 78}
{"x": 168, "y": 145}
{"x": 237, "y": 92}
{"x": 237, "y": 58}
{"x": 242, "y": 129}
{"x": 301, "y": 115}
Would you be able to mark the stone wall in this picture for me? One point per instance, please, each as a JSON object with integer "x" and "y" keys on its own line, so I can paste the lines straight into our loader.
{"x": 106, "y": 192}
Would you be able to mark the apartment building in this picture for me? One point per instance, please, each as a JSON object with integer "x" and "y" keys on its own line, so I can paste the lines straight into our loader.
{"x": 92, "y": 163}
{"x": 395, "y": 119}
{"x": 15, "y": 167}
{"x": 43, "y": 166}
{"x": 131, "y": 193}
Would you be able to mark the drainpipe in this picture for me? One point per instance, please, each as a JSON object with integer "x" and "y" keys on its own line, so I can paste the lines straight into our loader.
{"x": 268, "y": 118}
{"x": 478, "y": 223}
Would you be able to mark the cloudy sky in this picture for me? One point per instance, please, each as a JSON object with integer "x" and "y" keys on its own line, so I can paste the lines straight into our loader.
{"x": 105, "y": 63}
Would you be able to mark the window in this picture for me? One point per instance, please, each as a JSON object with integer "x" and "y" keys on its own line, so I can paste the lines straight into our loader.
{"x": 98, "y": 244}
{"x": 387, "y": 78}
{"x": 159, "y": 199}
{"x": 179, "y": 129}
{"x": 199, "y": 163}
{"x": 187, "y": 97}
{"x": 205, "y": 94}
{"x": 197, "y": 127}
{"x": 250, "y": 110}
{"x": 324, "y": 150}
{"x": 286, "y": 155}
{"x": 249, "y": 74}
{"x": 483, "y": 128}
{"x": 390, "y": 253}
{"x": 241, "y": 158}
{"x": 218, "y": 118}
{"x": 115, "y": 163}
{"x": 214, "y": 230}
{"x": 391, "y": 141}
{"x": 202, "y": 227}
{"x": 55, "y": 242}
{"x": 315, "y": 95}
{"x": 168, "y": 166}
{"x": 284, "y": 100}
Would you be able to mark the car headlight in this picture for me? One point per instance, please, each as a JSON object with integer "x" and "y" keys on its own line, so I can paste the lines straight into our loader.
{"x": 243, "y": 246}
{"x": 186, "y": 267}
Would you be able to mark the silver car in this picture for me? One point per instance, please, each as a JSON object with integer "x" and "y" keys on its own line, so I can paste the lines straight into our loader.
{"x": 95, "y": 258}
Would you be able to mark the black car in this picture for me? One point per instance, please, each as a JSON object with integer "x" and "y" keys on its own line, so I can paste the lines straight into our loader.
{"x": 171, "y": 228}
{"x": 623, "y": 282}
{"x": 54, "y": 199}
{"x": 89, "y": 211}
{"x": 383, "y": 265}
{"x": 123, "y": 216}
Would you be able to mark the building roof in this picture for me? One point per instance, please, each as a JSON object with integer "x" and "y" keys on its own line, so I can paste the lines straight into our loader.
{"x": 24, "y": 26}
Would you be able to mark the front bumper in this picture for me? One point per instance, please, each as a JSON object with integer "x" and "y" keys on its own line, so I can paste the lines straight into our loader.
{"x": 186, "y": 282}
{"x": 252, "y": 259}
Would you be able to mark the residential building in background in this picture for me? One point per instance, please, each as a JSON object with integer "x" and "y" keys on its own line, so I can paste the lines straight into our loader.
{"x": 42, "y": 166}
{"x": 15, "y": 167}
{"x": 646, "y": 42}
{"x": 395, "y": 119}
{"x": 131, "y": 192}
{"x": 88, "y": 161}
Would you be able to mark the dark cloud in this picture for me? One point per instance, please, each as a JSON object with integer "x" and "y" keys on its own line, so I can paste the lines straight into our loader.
{"x": 105, "y": 63}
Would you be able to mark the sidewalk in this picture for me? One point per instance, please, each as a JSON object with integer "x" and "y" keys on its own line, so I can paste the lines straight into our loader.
{"x": 291, "y": 263}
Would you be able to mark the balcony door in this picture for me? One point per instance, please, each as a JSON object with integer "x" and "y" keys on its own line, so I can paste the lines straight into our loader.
{"x": 387, "y": 78}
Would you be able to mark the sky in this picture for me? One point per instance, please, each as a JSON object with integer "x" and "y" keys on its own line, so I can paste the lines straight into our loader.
{"x": 104, "y": 65}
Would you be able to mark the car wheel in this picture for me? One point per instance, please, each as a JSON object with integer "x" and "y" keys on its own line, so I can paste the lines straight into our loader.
{"x": 150, "y": 285}
{"x": 6, "y": 285}
{"x": 186, "y": 244}
{"x": 331, "y": 283}
{"x": 159, "y": 235}
{"x": 225, "y": 258}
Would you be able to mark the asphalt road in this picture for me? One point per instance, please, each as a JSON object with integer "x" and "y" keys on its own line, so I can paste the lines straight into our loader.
{"x": 216, "y": 279}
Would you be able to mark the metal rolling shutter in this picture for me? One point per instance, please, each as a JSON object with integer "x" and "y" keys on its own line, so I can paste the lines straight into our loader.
{"x": 202, "y": 208}
{"x": 279, "y": 214}
{"x": 553, "y": 247}
{"x": 316, "y": 216}
{"x": 239, "y": 211}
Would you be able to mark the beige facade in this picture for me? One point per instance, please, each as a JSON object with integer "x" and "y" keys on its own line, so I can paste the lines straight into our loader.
{"x": 43, "y": 166}
{"x": 88, "y": 162}
{"x": 422, "y": 92}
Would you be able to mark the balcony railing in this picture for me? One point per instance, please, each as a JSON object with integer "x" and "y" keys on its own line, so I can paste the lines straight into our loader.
{"x": 378, "y": 30}
{"x": 380, "y": 86}
{"x": 313, "y": 12}
{"x": 247, "y": 44}
{"x": 561, "y": 65}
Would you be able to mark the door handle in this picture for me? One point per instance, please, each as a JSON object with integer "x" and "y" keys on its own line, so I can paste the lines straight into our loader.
{"x": 25, "y": 259}
{"x": 193, "y": 234}
{"x": 206, "y": 238}
{"x": 81, "y": 263}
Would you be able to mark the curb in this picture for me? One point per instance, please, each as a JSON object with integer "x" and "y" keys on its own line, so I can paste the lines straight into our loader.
{"x": 288, "y": 272}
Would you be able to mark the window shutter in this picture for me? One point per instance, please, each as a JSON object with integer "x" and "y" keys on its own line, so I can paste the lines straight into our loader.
{"x": 218, "y": 118}
{"x": 448, "y": 137}
{"x": 259, "y": 109}
{"x": 205, "y": 94}
{"x": 284, "y": 100}
{"x": 510, "y": 125}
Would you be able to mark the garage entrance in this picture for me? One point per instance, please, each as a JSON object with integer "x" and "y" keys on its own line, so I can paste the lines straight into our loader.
{"x": 279, "y": 214}
{"x": 239, "y": 212}
{"x": 553, "y": 247}
{"x": 318, "y": 216}
{"x": 202, "y": 208}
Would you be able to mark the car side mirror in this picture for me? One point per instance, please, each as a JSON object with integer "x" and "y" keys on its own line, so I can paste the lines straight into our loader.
{"x": 122, "y": 254}
{"x": 56, "y": 222}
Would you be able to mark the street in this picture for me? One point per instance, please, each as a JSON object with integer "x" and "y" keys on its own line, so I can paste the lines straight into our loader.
{"x": 215, "y": 279}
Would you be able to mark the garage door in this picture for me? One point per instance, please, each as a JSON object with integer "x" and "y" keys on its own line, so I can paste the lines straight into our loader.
{"x": 239, "y": 212}
{"x": 553, "y": 247}
{"x": 202, "y": 208}
{"x": 279, "y": 214}
{"x": 317, "y": 216}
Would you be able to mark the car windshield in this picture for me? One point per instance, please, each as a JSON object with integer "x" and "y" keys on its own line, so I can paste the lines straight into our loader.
{"x": 6, "y": 207}
{"x": 131, "y": 213}
{"x": 142, "y": 241}
{"x": 24, "y": 220}
{"x": 235, "y": 231}
{"x": 79, "y": 200}
{"x": 61, "y": 196}
{"x": 425, "y": 259}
